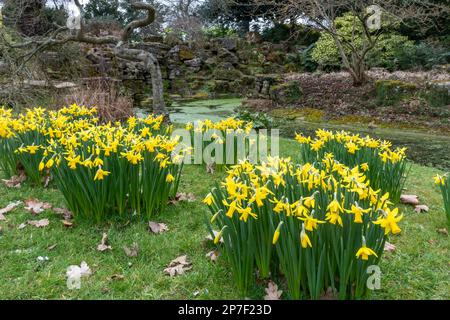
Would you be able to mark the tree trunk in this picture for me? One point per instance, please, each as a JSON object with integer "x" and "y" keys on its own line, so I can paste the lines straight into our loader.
{"x": 159, "y": 105}
{"x": 358, "y": 72}
{"x": 151, "y": 64}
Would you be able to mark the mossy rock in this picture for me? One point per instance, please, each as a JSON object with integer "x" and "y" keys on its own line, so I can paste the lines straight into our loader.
{"x": 186, "y": 54}
{"x": 229, "y": 74}
{"x": 286, "y": 93}
{"x": 218, "y": 86}
{"x": 390, "y": 91}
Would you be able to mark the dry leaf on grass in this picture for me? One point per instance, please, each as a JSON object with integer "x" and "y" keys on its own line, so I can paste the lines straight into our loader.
{"x": 329, "y": 295}
{"x": 213, "y": 255}
{"x": 389, "y": 247}
{"x": 22, "y": 226}
{"x": 80, "y": 271}
{"x": 39, "y": 223}
{"x": 67, "y": 224}
{"x": 443, "y": 231}
{"x": 15, "y": 181}
{"x": 421, "y": 208}
{"x": 131, "y": 251}
{"x": 210, "y": 168}
{"x": 10, "y": 207}
{"x": 52, "y": 247}
{"x": 182, "y": 196}
{"x": 272, "y": 292}
{"x": 116, "y": 277}
{"x": 178, "y": 266}
{"x": 103, "y": 246}
{"x": 67, "y": 214}
{"x": 36, "y": 207}
{"x": 410, "y": 199}
{"x": 157, "y": 228}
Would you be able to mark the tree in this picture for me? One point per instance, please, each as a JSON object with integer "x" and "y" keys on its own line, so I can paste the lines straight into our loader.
{"x": 238, "y": 12}
{"x": 375, "y": 17}
{"x": 63, "y": 35}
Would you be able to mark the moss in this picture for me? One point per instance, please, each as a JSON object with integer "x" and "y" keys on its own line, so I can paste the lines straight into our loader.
{"x": 352, "y": 119}
{"x": 389, "y": 92}
{"x": 201, "y": 95}
{"x": 286, "y": 93}
{"x": 186, "y": 54}
{"x": 306, "y": 114}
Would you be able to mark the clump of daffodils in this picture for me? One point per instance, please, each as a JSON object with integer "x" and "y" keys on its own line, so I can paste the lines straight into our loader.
{"x": 322, "y": 224}
{"x": 223, "y": 138}
{"x": 444, "y": 184}
{"x": 105, "y": 171}
{"x": 384, "y": 166}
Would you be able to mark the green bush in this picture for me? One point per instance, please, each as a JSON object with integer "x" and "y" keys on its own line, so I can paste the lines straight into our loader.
{"x": 384, "y": 54}
{"x": 421, "y": 55}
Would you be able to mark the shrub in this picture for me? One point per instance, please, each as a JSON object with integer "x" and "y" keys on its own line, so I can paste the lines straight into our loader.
{"x": 444, "y": 184}
{"x": 321, "y": 224}
{"x": 384, "y": 54}
{"x": 384, "y": 167}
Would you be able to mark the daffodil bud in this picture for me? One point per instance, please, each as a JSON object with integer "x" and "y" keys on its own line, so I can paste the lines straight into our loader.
{"x": 276, "y": 235}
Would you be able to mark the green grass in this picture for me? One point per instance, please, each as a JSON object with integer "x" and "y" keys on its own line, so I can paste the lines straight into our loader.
{"x": 418, "y": 269}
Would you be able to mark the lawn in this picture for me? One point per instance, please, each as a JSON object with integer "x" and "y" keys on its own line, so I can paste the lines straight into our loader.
{"x": 417, "y": 269}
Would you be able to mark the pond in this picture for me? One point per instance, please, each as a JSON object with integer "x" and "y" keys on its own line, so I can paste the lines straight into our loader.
{"x": 424, "y": 148}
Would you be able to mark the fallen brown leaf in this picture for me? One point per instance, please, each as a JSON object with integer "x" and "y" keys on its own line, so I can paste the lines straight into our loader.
{"x": 389, "y": 247}
{"x": 178, "y": 266}
{"x": 36, "y": 207}
{"x": 443, "y": 231}
{"x": 67, "y": 214}
{"x": 157, "y": 228}
{"x": 53, "y": 246}
{"x": 21, "y": 226}
{"x": 421, "y": 208}
{"x": 409, "y": 199}
{"x": 116, "y": 277}
{"x": 131, "y": 251}
{"x": 182, "y": 196}
{"x": 15, "y": 181}
{"x": 272, "y": 292}
{"x": 10, "y": 207}
{"x": 329, "y": 295}
{"x": 39, "y": 223}
{"x": 67, "y": 224}
{"x": 213, "y": 255}
{"x": 103, "y": 246}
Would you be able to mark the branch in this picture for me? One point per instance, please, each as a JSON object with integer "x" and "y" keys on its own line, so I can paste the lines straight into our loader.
{"x": 139, "y": 23}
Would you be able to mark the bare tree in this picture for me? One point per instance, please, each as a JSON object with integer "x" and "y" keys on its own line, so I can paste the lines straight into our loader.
{"x": 62, "y": 35}
{"x": 353, "y": 50}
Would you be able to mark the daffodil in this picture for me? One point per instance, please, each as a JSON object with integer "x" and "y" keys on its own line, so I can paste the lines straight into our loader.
{"x": 304, "y": 239}
{"x": 100, "y": 174}
{"x": 389, "y": 220}
{"x": 358, "y": 212}
{"x": 170, "y": 178}
{"x": 364, "y": 252}
{"x": 209, "y": 199}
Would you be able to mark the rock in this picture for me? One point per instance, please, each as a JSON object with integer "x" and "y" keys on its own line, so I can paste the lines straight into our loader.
{"x": 194, "y": 64}
{"x": 4, "y": 67}
{"x": 229, "y": 44}
{"x": 391, "y": 91}
{"x": 185, "y": 54}
{"x": 226, "y": 71}
{"x": 226, "y": 56}
{"x": 286, "y": 93}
